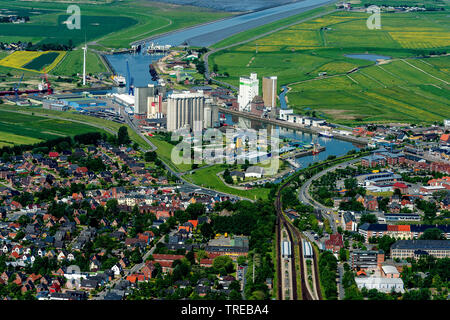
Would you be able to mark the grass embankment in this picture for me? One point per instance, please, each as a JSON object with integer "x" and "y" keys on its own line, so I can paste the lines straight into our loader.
{"x": 164, "y": 151}
{"x": 404, "y": 89}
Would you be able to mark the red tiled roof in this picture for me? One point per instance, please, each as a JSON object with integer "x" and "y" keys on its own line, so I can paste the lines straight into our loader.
{"x": 172, "y": 257}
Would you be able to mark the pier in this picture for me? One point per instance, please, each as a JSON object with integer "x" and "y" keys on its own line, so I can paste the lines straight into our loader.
{"x": 295, "y": 126}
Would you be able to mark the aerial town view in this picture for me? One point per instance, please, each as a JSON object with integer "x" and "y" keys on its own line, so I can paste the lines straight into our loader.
{"x": 226, "y": 151}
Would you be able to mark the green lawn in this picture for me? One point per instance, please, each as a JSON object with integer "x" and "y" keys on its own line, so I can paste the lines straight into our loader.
{"x": 164, "y": 151}
{"x": 76, "y": 116}
{"x": 72, "y": 63}
{"x": 414, "y": 90}
{"x": 18, "y": 129}
{"x": 206, "y": 177}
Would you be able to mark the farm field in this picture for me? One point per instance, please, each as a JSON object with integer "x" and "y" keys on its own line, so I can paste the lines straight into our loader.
{"x": 114, "y": 126}
{"x": 206, "y": 177}
{"x": 112, "y": 25}
{"x": 34, "y": 61}
{"x": 72, "y": 63}
{"x": 382, "y": 93}
{"x": 405, "y": 89}
{"x": 27, "y": 129}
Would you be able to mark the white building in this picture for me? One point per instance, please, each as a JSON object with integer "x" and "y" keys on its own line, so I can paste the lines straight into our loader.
{"x": 284, "y": 113}
{"x": 248, "y": 89}
{"x": 381, "y": 284}
{"x": 447, "y": 123}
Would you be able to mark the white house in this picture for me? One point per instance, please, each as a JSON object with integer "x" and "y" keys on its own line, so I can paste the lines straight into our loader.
{"x": 117, "y": 269}
{"x": 254, "y": 172}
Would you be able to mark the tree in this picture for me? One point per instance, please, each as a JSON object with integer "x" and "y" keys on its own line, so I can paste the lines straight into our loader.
{"x": 150, "y": 156}
{"x": 194, "y": 210}
{"x": 122, "y": 135}
{"x": 343, "y": 254}
{"x": 368, "y": 218}
{"x": 224, "y": 262}
{"x": 206, "y": 230}
{"x": 432, "y": 234}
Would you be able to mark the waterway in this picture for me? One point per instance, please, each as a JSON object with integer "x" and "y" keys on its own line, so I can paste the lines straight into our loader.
{"x": 332, "y": 146}
{"x": 210, "y": 33}
{"x": 216, "y": 31}
{"x": 367, "y": 56}
{"x": 232, "y": 5}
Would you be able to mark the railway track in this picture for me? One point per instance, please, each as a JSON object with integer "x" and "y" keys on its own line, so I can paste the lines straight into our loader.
{"x": 295, "y": 239}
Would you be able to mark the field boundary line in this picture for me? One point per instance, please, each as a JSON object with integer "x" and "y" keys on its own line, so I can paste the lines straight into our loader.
{"x": 424, "y": 71}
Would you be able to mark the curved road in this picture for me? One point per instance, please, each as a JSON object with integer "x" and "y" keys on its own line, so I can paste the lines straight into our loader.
{"x": 306, "y": 198}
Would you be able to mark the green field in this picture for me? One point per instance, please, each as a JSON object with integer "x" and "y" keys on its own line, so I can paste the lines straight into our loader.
{"x": 72, "y": 63}
{"x": 206, "y": 177}
{"x": 409, "y": 90}
{"x": 114, "y": 126}
{"x": 112, "y": 25}
{"x": 165, "y": 151}
{"x": 28, "y": 129}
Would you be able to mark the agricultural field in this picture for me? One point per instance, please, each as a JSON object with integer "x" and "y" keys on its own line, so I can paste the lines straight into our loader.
{"x": 72, "y": 63}
{"x": 66, "y": 115}
{"x": 354, "y": 90}
{"x": 111, "y": 25}
{"x": 411, "y": 90}
{"x": 34, "y": 61}
{"x": 28, "y": 129}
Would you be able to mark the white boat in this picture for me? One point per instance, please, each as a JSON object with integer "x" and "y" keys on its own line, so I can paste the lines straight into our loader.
{"x": 119, "y": 80}
{"x": 327, "y": 134}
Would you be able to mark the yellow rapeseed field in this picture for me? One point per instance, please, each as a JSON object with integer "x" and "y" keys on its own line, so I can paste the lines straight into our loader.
{"x": 18, "y": 59}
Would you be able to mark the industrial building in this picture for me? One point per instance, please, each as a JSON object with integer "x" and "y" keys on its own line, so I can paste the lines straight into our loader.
{"x": 145, "y": 95}
{"x": 381, "y": 284}
{"x": 269, "y": 87}
{"x": 248, "y": 89}
{"x": 185, "y": 109}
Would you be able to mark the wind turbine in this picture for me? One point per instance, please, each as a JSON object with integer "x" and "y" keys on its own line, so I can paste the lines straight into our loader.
{"x": 84, "y": 64}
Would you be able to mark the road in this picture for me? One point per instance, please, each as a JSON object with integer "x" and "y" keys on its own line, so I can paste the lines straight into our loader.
{"x": 341, "y": 291}
{"x": 306, "y": 198}
{"x": 139, "y": 266}
{"x": 173, "y": 172}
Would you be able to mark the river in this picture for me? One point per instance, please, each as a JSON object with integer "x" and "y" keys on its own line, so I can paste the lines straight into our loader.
{"x": 332, "y": 146}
